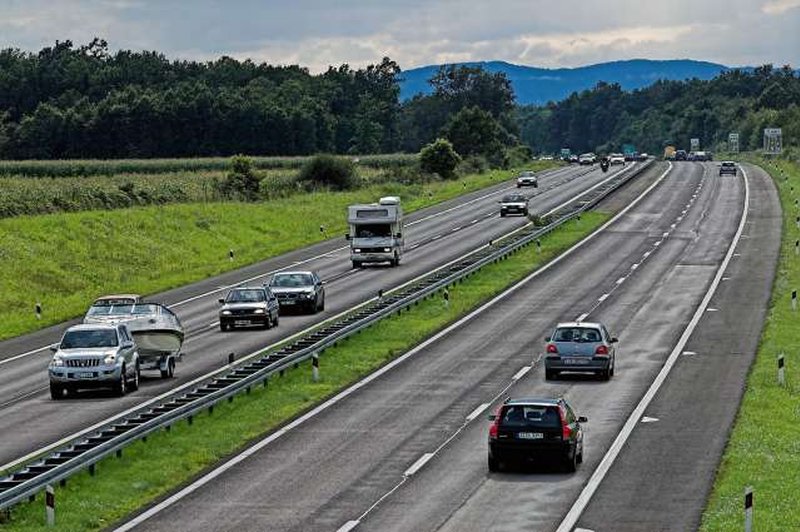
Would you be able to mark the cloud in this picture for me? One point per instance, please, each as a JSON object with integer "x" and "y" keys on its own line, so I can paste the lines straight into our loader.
{"x": 776, "y": 7}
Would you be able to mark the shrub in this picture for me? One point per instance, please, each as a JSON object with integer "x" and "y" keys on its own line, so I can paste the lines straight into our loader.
{"x": 327, "y": 171}
{"x": 241, "y": 182}
{"x": 474, "y": 164}
{"x": 518, "y": 156}
{"x": 439, "y": 157}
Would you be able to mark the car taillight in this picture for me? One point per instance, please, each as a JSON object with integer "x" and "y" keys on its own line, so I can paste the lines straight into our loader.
{"x": 495, "y": 426}
{"x": 601, "y": 350}
{"x": 551, "y": 348}
{"x": 566, "y": 431}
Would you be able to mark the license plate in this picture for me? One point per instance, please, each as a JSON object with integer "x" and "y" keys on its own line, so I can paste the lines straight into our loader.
{"x": 242, "y": 322}
{"x": 86, "y": 375}
{"x": 530, "y": 435}
{"x": 575, "y": 361}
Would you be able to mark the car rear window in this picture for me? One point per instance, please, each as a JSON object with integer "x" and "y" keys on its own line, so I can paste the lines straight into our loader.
{"x": 531, "y": 416}
{"x": 577, "y": 334}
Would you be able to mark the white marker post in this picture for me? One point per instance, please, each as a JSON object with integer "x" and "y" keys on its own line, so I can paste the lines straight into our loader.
{"x": 315, "y": 368}
{"x": 748, "y": 509}
{"x": 794, "y": 299}
{"x": 797, "y": 247}
{"x": 50, "y": 505}
{"x": 230, "y": 255}
{"x": 446, "y": 296}
{"x": 781, "y": 371}
{"x": 38, "y": 310}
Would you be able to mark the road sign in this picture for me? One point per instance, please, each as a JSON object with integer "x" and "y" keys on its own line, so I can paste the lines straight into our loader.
{"x": 773, "y": 140}
{"x": 628, "y": 149}
{"x": 733, "y": 142}
{"x": 695, "y": 144}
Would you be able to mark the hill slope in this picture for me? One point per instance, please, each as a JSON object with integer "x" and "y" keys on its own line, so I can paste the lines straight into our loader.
{"x": 534, "y": 85}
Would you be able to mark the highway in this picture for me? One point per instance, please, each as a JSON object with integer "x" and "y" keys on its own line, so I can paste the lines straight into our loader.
{"x": 682, "y": 276}
{"x": 30, "y": 420}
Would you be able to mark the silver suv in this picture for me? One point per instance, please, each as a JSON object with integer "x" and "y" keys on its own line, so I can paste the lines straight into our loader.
{"x": 302, "y": 290}
{"x": 580, "y": 346}
{"x": 94, "y": 356}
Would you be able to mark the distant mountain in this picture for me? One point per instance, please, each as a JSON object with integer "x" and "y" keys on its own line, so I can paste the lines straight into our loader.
{"x": 534, "y": 85}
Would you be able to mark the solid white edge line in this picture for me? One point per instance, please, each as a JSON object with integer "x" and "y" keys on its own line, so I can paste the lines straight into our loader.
{"x": 616, "y": 447}
{"x": 603, "y": 298}
{"x": 477, "y": 412}
{"x": 582, "y": 317}
{"x": 211, "y": 475}
{"x": 348, "y": 526}
{"x": 521, "y": 373}
{"x": 418, "y": 464}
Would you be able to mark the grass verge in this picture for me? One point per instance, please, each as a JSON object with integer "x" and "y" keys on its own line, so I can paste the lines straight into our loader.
{"x": 66, "y": 260}
{"x": 168, "y": 459}
{"x": 763, "y": 450}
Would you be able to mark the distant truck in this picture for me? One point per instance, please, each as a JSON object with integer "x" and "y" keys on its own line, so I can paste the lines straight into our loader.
{"x": 376, "y": 232}
{"x": 669, "y": 153}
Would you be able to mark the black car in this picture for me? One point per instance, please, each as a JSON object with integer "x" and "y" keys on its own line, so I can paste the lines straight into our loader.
{"x": 539, "y": 430}
{"x": 249, "y": 305}
{"x": 728, "y": 167}
{"x": 301, "y": 290}
{"x": 681, "y": 155}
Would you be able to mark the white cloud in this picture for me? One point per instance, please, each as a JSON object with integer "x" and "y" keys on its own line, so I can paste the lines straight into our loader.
{"x": 776, "y": 7}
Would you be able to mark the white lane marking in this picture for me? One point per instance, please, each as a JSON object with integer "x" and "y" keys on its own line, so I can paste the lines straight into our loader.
{"x": 583, "y": 530}
{"x": 657, "y": 243}
{"x": 616, "y": 447}
{"x": 712, "y": 310}
{"x": 478, "y": 411}
{"x": 688, "y": 353}
{"x": 737, "y": 254}
{"x": 726, "y": 278}
{"x": 647, "y": 419}
{"x": 646, "y": 254}
{"x": 582, "y": 317}
{"x": 348, "y": 526}
{"x": 621, "y": 280}
{"x": 521, "y": 373}
{"x": 634, "y": 266}
{"x": 418, "y": 465}
{"x": 23, "y": 355}
{"x": 672, "y": 226}
{"x": 456, "y": 228}
{"x": 473, "y": 222}
{"x": 602, "y": 298}
{"x": 679, "y": 218}
{"x": 436, "y": 237}
{"x": 665, "y": 234}
{"x": 214, "y": 473}
{"x": 601, "y": 183}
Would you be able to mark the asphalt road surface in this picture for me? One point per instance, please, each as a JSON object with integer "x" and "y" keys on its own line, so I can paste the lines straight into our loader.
{"x": 30, "y": 420}
{"x": 407, "y": 451}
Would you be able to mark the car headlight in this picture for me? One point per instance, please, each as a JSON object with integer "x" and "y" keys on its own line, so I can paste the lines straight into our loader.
{"x": 110, "y": 358}
{"x": 258, "y": 311}
{"x": 57, "y": 361}
{"x": 387, "y": 250}
{"x": 357, "y": 250}
{"x": 226, "y": 312}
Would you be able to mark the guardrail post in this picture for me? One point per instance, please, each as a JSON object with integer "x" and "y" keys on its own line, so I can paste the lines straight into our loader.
{"x": 92, "y": 470}
{"x": 231, "y": 358}
{"x": 748, "y": 509}
{"x": 446, "y": 296}
{"x": 119, "y": 453}
{"x": 315, "y": 367}
{"x": 781, "y": 371}
{"x": 538, "y": 245}
{"x": 50, "y": 505}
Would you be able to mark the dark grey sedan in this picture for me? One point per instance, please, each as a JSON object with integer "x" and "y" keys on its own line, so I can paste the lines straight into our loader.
{"x": 580, "y": 347}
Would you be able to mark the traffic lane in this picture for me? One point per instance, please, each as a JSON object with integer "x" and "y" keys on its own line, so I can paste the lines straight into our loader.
{"x": 366, "y": 442}
{"x": 455, "y": 491}
{"x": 47, "y": 336}
{"x": 698, "y": 403}
{"x": 207, "y": 351}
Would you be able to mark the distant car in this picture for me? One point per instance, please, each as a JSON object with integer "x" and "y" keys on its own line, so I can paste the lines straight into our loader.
{"x": 301, "y": 289}
{"x": 527, "y": 179}
{"x": 94, "y": 356}
{"x": 681, "y": 155}
{"x": 728, "y": 167}
{"x": 580, "y": 346}
{"x": 247, "y": 306}
{"x": 574, "y": 159}
{"x": 616, "y": 158}
{"x": 642, "y": 157}
{"x": 702, "y": 156}
{"x": 539, "y": 430}
{"x": 587, "y": 158}
{"x": 514, "y": 204}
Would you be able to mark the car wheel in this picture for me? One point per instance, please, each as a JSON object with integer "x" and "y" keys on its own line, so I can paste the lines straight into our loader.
{"x": 56, "y": 391}
{"x": 525, "y": 212}
{"x": 136, "y": 377}
{"x": 550, "y": 374}
{"x": 571, "y": 463}
{"x": 121, "y": 386}
{"x": 276, "y": 319}
{"x": 356, "y": 265}
{"x": 579, "y": 459}
{"x": 223, "y": 326}
{"x": 170, "y": 371}
{"x": 605, "y": 374}
{"x": 613, "y": 367}
{"x": 502, "y": 214}
{"x": 322, "y": 304}
{"x": 494, "y": 465}
{"x": 267, "y": 322}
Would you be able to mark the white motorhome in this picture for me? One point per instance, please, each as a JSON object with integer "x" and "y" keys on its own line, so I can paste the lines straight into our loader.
{"x": 376, "y": 232}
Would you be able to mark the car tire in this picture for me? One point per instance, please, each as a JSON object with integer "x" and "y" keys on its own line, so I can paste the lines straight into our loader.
{"x": 276, "y": 320}
{"x": 525, "y": 212}
{"x": 579, "y": 458}
{"x": 56, "y": 391}
{"x": 550, "y": 374}
{"x": 605, "y": 374}
{"x": 494, "y": 465}
{"x": 121, "y": 386}
{"x": 135, "y": 380}
{"x": 502, "y": 215}
{"x": 223, "y": 326}
{"x": 322, "y": 304}
{"x": 612, "y": 367}
{"x": 170, "y": 371}
{"x": 357, "y": 265}
{"x": 571, "y": 463}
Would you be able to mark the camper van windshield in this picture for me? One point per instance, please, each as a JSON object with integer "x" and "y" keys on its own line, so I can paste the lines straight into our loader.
{"x": 373, "y": 230}
{"x": 372, "y": 213}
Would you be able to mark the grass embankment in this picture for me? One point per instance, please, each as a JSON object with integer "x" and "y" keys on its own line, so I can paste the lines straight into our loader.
{"x": 65, "y": 260}
{"x": 764, "y": 448}
{"x": 169, "y": 459}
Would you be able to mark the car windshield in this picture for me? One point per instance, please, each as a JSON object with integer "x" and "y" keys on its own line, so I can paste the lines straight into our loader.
{"x": 373, "y": 230}
{"x": 245, "y": 296}
{"x": 89, "y": 338}
{"x": 526, "y": 174}
{"x": 114, "y": 301}
{"x": 289, "y": 280}
{"x": 513, "y": 198}
{"x": 531, "y": 416}
{"x": 576, "y": 334}
{"x": 109, "y": 310}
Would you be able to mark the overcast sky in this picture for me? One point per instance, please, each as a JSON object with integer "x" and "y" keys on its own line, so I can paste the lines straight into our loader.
{"x": 317, "y": 33}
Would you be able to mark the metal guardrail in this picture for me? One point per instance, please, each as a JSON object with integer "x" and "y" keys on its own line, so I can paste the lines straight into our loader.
{"x": 87, "y": 450}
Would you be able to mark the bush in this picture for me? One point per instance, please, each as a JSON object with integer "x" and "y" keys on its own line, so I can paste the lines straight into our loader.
{"x": 474, "y": 164}
{"x": 337, "y": 173}
{"x": 439, "y": 157}
{"x": 518, "y": 156}
{"x": 241, "y": 182}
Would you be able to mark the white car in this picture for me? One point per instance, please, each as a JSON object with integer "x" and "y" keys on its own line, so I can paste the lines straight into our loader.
{"x": 616, "y": 158}
{"x": 527, "y": 179}
{"x": 587, "y": 158}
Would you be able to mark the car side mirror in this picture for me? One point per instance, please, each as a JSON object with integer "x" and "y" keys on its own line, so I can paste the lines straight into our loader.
{"x": 614, "y": 339}
{"x": 492, "y": 417}
{"x": 546, "y": 338}
{"x": 583, "y": 419}
{"x": 347, "y": 236}
{"x": 54, "y": 348}
{"x": 221, "y": 301}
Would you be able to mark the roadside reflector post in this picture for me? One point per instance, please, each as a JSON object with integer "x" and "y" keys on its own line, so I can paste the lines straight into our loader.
{"x": 446, "y": 296}
{"x": 322, "y": 229}
{"x": 50, "y": 505}
{"x": 315, "y": 367}
{"x": 748, "y": 509}
{"x": 794, "y": 299}
{"x": 38, "y": 310}
{"x": 538, "y": 245}
{"x": 781, "y": 370}
{"x": 797, "y": 247}
{"x": 380, "y": 295}
{"x": 231, "y": 358}
{"x": 230, "y": 255}
{"x": 797, "y": 221}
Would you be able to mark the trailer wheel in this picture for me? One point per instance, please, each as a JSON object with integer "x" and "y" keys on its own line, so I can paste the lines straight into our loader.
{"x": 170, "y": 371}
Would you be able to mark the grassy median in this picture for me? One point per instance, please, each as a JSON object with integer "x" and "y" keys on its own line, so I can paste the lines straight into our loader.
{"x": 764, "y": 448}
{"x": 64, "y": 261}
{"x": 168, "y": 459}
